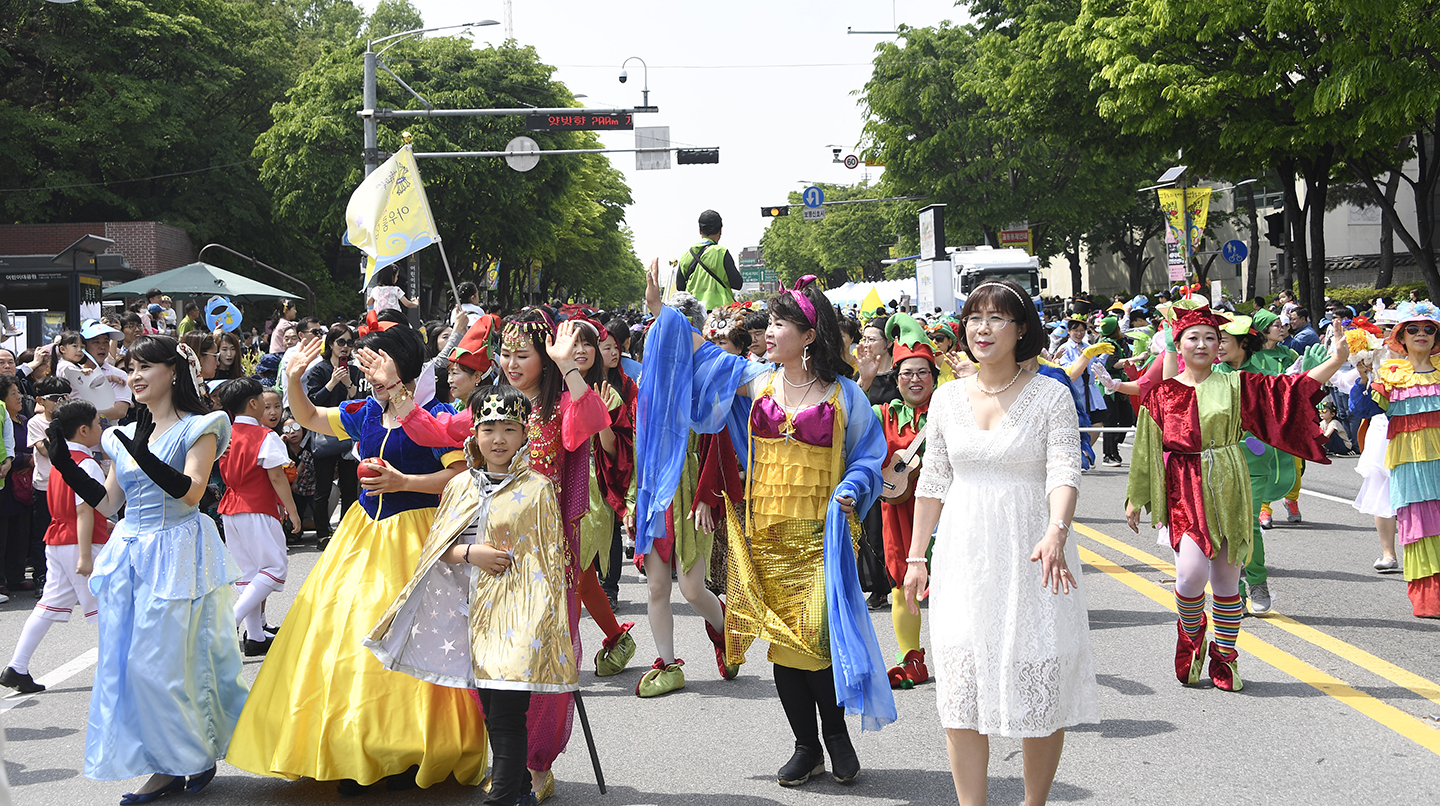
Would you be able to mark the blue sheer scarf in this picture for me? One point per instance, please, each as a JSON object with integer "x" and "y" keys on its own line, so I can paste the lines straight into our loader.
{"x": 861, "y": 683}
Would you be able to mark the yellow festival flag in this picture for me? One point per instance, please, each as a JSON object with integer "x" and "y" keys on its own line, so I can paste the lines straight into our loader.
{"x": 388, "y": 217}
{"x": 871, "y": 302}
{"x": 1198, "y": 200}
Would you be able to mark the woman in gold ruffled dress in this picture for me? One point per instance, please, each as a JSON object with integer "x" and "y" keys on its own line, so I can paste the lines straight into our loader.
{"x": 322, "y": 706}
{"x": 814, "y": 458}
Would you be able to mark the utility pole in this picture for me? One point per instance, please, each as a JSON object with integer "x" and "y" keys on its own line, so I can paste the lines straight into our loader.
{"x": 371, "y": 153}
{"x": 372, "y": 60}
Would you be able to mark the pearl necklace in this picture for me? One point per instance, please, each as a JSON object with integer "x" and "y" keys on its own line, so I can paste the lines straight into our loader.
{"x": 807, "y": 385}
{"x": 1001, "y": 389}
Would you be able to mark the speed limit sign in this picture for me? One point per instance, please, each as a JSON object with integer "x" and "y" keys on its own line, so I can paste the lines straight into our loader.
{"x": 852, "y": 161}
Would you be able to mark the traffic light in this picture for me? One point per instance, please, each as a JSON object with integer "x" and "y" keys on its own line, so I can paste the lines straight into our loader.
{"x": 1275, "y": 230}
{"x": 697, "y": 156}
{"x": 774, "y": 212}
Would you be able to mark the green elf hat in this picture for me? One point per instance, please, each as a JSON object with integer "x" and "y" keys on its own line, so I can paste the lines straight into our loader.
{"x": 1237, "y": 326}
{"x": 909, "y": 339}
{"x": 1109, "y": 326}
{"x": 945, "y": 328}
{"x": 1262, "y": 319}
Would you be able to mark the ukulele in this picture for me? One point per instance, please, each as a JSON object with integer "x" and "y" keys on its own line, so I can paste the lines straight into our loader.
{"x": 899, "y": 474}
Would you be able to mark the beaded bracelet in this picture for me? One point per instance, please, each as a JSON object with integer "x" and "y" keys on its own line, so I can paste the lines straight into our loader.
{"x": 916, "y": 560}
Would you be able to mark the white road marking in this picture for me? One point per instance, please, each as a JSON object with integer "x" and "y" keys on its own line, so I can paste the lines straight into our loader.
{"x": 1337, "y": 499}
{"x": 85, "y": 660}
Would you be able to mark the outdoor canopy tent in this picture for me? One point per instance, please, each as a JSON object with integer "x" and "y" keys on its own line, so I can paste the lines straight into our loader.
{"x": 200, "y": 280}
{"x": 852, "y": 293}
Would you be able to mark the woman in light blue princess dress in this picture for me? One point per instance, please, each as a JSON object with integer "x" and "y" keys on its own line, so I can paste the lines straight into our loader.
{"x": 168, "y": 688}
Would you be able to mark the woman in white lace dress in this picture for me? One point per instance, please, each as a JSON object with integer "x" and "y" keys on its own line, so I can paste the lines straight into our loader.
{"x": 1008, "y": 617}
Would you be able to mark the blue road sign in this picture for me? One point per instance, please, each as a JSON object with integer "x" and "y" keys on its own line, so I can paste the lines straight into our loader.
{"x": 813, "y": 196}
{"x": 1234, "y": 251}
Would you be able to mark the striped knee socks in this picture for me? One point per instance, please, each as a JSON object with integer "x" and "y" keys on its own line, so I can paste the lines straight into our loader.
{"x": 1192, "y": 612}
{"x": 1226, "y": 610}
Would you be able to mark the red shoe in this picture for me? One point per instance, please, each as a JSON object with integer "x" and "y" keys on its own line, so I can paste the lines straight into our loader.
{"x": 1225, "y": 668}
{"x": 915, "y": 669}
{"x": 1190, "y": 653}
{"x": 1293, "y": 511}
{"x": 898, "y": 678}
{"x": 1265, "y": 521}
{"x": 727, "y": 672}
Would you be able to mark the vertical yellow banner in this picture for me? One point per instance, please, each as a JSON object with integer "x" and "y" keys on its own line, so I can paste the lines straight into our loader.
{"x": 1173, "y": 202}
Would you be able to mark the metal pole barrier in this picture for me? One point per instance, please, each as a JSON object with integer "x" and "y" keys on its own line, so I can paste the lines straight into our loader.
{"x": 1096, "y": 429}
{"x": 589, "y": 741}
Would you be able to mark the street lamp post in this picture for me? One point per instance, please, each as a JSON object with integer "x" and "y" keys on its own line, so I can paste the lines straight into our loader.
{"x": 645, "y": 90}
{"x": 372, "y": 59}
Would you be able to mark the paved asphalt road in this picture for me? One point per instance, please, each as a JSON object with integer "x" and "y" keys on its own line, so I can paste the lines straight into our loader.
{"x": 1340, "y": 704}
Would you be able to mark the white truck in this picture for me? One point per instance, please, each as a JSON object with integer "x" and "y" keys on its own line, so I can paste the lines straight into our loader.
{"x": 979, "y": 264}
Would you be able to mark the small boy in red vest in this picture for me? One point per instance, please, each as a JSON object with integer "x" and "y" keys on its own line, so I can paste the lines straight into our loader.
{"x": 256, "y": 487}
{"x": 75, "y": 529}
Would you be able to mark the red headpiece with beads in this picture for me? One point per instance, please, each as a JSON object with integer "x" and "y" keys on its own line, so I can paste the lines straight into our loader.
{"x": 1190, "y": 317}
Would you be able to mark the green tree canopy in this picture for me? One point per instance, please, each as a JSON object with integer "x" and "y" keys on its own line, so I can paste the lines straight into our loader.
{"x": 1301, "y": 86}
{"x": 566, "y": 213}
{"x": 848, "y": 244}
{"x": 235, "y": 120}
{"x": 997, "y": 120}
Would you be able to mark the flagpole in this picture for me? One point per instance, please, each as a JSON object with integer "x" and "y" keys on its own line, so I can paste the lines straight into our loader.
{"x": 443, "y": 259}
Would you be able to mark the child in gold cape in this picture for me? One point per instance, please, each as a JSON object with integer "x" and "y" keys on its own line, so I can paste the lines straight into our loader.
{"x": 486, "y": 608}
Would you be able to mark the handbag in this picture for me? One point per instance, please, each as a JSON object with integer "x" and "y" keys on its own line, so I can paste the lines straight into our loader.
{"x": 22, "y": 486}
{"x": 326, "y": 446}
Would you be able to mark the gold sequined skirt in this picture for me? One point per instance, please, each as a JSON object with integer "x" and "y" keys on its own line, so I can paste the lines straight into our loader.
{"x": 776, "y": 592}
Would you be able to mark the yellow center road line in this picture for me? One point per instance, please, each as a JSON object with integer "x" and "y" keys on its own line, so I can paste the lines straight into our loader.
{"x": 1127, "y": 549}
{"x": 1412, "y": 728}
{"x": 1375, "y": 665}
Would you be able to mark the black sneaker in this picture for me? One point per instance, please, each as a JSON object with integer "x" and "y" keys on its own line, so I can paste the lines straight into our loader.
{"x": 879, "y": 600}
{"x": 271, "y": 631}
{"x": 807, "y": 762}
{"x": 21, "y": 682}
{"x": 844, "y": 763}
{"x": 254, "y": 649}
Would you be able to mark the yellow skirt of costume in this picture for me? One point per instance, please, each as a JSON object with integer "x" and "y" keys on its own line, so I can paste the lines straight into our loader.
{"x": 776, "y": 585}
{"x": 322, "y": 706}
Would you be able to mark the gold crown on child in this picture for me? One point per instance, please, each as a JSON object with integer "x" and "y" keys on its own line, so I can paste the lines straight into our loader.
{"x": 495, "y": 408}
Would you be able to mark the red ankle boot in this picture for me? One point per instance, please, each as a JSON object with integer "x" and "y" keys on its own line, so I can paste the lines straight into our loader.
{"x": 898, "y": 678}
{"x": 1190, "y": 653}
{"x": 1225, "y": 668}
{"x": 915, "y": 669}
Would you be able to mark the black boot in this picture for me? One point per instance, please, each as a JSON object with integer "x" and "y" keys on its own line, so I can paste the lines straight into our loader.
{"x": 807, "y": 761}
{"x": 844, "y": 764}
{"x": 799, "y": 704}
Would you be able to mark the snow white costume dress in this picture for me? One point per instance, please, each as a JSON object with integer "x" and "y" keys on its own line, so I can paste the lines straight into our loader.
{"x": 322, "y": 706}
